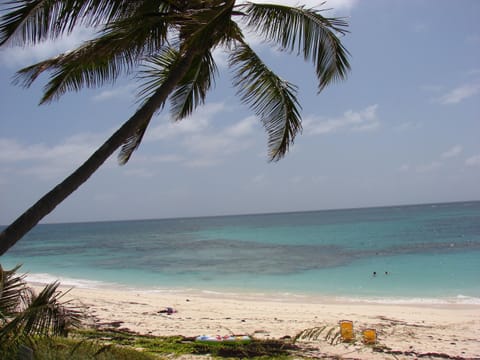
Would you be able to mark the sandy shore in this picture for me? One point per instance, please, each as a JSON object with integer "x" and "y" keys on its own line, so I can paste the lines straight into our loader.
{"x": 409, "y": 332}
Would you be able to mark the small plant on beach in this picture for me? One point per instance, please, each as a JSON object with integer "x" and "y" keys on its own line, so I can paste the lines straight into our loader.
{"x": 25, "y": 316}
{"x": 327, "y": 333}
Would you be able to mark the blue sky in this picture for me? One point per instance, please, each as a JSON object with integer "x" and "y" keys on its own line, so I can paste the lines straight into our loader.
{"x": 404, "y": 128}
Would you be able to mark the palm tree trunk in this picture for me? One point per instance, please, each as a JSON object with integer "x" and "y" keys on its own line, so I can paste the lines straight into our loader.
{"x": 48, "y": 202}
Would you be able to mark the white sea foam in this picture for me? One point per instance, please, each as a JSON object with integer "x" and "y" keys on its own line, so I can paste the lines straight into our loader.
{"x": 457, "y": 300}
{"x": 42, "y": 278}
{"x": 468, "y": 300}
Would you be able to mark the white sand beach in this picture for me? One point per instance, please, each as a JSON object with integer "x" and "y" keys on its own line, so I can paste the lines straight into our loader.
{"x": 404, "y": 331}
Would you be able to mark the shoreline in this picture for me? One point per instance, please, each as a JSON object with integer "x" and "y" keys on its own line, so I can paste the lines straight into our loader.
{"x": 38, "y": 280}
{"x": 452, "y": 329}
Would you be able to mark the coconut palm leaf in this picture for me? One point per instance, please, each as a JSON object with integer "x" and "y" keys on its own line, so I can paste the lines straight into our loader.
{"x": 11, "y": 284}
{"x": 153, "y": 75}
{"x": 192, "y": 90}
{"x": 46, "y": 314}
{"x": 271, "y": 98}
{"x": 199, "y": 29}
{"x": 25, "y": 314}
{"x": 155, "y": 71}
{"x": 305, "y": 31}
{"x": 118, "y": 50}
{"x": 27, "y": 22}
{"x": 189, "y": 93}
{"x": 131, "y": 144}
{"x": 41, "y": 314}
{"x": 208, "y": 27}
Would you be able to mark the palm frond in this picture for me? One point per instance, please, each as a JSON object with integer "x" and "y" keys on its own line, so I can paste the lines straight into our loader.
{"x": 25, "y": 314}
{"x": 131, "y": 144}
{"x": 201, "y": 30}
{"x": 11, "y": 284}
{"x": 305, "y": 31}
{"x": 155, "y": 71}
{"x": 193, "y": 88}
{"x": 271, "y": 98}
{"x": 41, "y": 314}
{"x": 153, "y": 75}
{"x": 28, "y": 22}
{"x": 46, "y": 314}
{"x": 208, "y": 27}
{"x": 120, "y": 48}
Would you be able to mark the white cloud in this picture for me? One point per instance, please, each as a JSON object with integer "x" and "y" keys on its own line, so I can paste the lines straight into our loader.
{"x": 452, "y": 152}
{"x": 242, "y": 128}
{"x": 158, "y": 159}
{"x": 221, "y": 57}
{"x": 195, "y": 123}
{"x": 420, "y": 27}
{"x": 429, "y": 167}
{"x": 202, "y": 162}
{"x": 408, "y": 125}
{"x": 48, "y": 161}
{"x": 363, "y": 120}
{"x": 474, "y": 71}
{"x": 212, "y": 146}
{"x": 432, "y": 88}
{"x": 473, "y": 39}
{"x": 259, "y": 179}
{"x": 127, "y": 91}
{"x": 473, "y": 160}
{"x": 19, "y": 56}
{"x": 206, "y": 143}
{"x": 404, "y": 168}
{"x": 460, "y": 93}
{"x": 296, "y": 179}
{"x": 369, "y": 126}
{"x": 139, "y": 172}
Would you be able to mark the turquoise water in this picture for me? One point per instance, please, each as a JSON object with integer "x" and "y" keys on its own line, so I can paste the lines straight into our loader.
{"x": 419, "y": 253}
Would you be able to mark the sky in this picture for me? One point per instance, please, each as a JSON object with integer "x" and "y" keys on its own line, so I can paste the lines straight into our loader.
{"x": 404, "y": 128}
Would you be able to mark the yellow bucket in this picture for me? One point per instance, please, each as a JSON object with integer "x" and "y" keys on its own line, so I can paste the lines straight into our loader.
{"x": 346, "y": 330}
{"x": 369, "y": 336}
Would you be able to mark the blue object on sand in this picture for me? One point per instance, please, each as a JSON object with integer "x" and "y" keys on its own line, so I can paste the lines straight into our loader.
{"x": 227, "y": 338}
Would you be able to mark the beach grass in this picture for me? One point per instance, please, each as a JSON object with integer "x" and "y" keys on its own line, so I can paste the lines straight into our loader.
{"x": 82, "y": 349}
{"x": 108, "y": 344}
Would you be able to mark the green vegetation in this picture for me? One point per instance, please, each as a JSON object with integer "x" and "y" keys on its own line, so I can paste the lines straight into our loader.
{"x": 179, "y": 345}
{"x": 77, "y": 349}
{"x": 107, "y": 344}
{"x": 25, "y": 316}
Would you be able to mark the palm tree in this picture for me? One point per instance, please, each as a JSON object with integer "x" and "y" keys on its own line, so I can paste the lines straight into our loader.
{"x": 169, "y": 44}
{"x": 24, "y": 314}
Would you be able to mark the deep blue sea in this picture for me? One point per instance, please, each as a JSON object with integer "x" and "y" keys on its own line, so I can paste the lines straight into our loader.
{"x": 420, "y": 253}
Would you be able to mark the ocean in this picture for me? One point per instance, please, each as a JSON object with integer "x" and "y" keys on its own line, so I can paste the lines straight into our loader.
{"x": 399, "y": 254}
